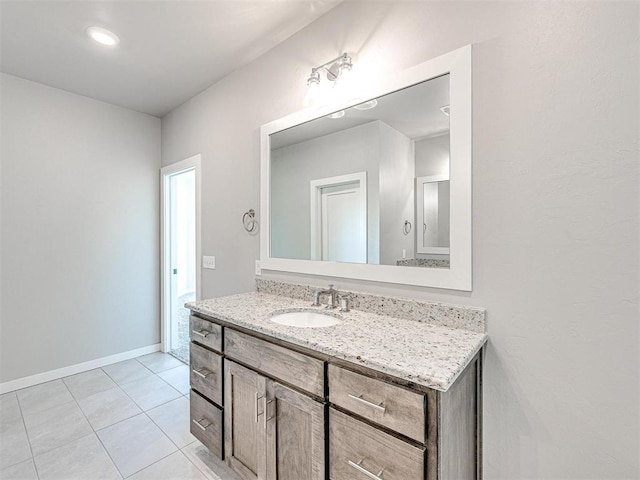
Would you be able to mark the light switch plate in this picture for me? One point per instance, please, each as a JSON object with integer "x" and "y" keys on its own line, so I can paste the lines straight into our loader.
{"x": 258, "y": 269}
{"x": 209, "y": 262}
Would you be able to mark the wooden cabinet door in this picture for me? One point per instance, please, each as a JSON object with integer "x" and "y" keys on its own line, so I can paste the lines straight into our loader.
{"x": 244, "y": 425}
{"x": 295, "y": 435}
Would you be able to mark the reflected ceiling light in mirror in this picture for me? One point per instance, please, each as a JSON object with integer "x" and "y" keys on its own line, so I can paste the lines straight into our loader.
{"x": 103, "y": 36}
{"x": 335, "y": 115}
{"x": 367, "y": 105}
{"x": 445, "y": 110}
{"x": 335, "y": 71}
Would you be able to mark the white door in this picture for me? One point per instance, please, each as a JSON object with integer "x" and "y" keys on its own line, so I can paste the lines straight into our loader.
{"x": 180, "y": 272}
{"x": 339, "y": 218}
{"x": 342, "y": 235}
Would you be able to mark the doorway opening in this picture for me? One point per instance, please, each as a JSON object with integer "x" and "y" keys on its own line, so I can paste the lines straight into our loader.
{"x": 180, "y": 251}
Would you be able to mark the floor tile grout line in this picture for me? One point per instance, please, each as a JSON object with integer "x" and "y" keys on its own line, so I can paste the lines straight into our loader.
{"x": 161, "y": 429}
{"x": 159, "y": 460}
{"x": 94, "y": 431}
{"x": 206, "y": 475}
{"x": 26, "y": 432}
{"x": 163, "y": 433}
{"x": 155, "y": 406}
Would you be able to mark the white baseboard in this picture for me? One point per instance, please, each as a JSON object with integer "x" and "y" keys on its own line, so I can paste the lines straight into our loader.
{"x": 31, "y": 380}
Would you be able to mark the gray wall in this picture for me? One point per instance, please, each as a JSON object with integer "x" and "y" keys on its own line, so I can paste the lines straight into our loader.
{"x": 79, "y": 229}
{"x": 432, "y": 155}
{"x": 555, "y": 205}
{"x": 397, "y": 203}
{"x": 348, "y": 151}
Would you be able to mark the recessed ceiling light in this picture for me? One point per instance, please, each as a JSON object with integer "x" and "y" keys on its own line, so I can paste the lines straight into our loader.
{"x": 367, "y": 105}
{"x": 445, "y": 110}
{"x": 103, "y": 36}
{"x": 339, "y": 114}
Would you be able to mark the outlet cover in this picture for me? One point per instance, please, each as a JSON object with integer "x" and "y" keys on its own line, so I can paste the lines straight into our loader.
{"x": 258, "y": 269}
{"x": 209, "y": 262}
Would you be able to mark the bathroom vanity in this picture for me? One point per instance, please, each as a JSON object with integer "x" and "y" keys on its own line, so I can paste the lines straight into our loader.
{"x": 393, "y": 390}
{"x": 375, "y": 396}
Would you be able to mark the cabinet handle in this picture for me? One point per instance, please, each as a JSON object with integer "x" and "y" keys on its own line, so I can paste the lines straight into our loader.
{"x": 201, "y": 333}
{"x": 255, "y": 405}
{"x": 202, "y": 373}
{"x": 266, "y": 406}
{"x": 357, "y": 466}
{"x": 199, "y": 423}
{"x": 377, "y": 406}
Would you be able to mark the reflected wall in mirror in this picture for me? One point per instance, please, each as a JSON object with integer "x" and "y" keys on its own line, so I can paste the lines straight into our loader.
{"x": 342, "y": 186}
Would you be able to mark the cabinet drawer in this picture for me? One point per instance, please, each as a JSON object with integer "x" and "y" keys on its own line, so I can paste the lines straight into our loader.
{"x": 206, "y": 423}
{"x": 206, "y": 333}
{"x": 206, "y": 373}
{"x": 281, "y": 363}
{"x": 394, "y": 407}
{"x": 361, "y": 452}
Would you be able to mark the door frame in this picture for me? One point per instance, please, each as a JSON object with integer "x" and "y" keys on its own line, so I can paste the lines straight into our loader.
{"x": 315, "y": 201}
{"x": 191, "y": 163}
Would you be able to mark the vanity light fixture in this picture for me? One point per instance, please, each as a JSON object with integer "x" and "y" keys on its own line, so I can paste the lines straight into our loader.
{"x": 445, "y": 110}
{"x": 103, "y": 36}
{"x": 367, "y": 105}
{"x": 334, "y": 70}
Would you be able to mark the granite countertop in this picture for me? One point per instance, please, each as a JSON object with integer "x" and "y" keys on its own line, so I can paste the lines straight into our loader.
{"x": 425, "y": 354}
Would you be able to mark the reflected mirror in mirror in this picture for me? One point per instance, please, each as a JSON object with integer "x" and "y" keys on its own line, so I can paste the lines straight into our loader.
{"x": 368, "y": 184}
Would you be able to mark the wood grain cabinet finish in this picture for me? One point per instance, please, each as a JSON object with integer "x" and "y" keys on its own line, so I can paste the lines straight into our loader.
{"x": 206, "y": 333}
{"x": 206, "y": 423}
{"x": 358, "y": 451}
{"x": 244, "y": 432}
{"x": 278, "y": 426}
{"x": 392, "y": 406}
{"x": 295, "y": 435}
{"x": 297, "y": 369}
{"x": 206, "y": 373}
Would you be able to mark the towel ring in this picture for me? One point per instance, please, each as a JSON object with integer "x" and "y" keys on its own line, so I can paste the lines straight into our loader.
{"x": 249, "y": 221}
{"x": 406, "y": 229}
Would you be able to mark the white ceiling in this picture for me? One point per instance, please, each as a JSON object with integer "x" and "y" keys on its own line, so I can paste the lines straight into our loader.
{"x": 169, "y": 50}
{"x": 413, "y": 111}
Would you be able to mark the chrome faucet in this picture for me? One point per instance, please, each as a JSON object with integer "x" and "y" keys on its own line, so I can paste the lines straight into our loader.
{"x": 331, "y": 299}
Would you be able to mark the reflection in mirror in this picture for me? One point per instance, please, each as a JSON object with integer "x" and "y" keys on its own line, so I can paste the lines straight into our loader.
{"x": 345, "y": 187}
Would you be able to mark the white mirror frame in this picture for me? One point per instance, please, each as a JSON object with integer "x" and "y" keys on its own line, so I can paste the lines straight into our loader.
{"x": 458, "y": 277}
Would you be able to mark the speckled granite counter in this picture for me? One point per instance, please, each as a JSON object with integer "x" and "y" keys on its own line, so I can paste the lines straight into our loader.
{"x": 422, "y": 353}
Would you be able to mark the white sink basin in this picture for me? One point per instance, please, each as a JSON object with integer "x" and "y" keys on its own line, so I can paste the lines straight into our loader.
{"x": 305, "y": 319}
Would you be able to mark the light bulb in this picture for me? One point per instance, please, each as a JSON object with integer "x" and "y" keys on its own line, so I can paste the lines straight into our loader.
{"x": 313, "y": 91}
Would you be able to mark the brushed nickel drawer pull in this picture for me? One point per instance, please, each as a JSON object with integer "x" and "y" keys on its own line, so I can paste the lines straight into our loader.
{"x": 201, "y": 333}
{"x": 357, "y": 466}
{"x": 258, "y": 397}
{"x": 199, "y": 423}
{"x": 266, "y": 406}
{"x": 377, "y": 406}
{"x": 202, "y": 373}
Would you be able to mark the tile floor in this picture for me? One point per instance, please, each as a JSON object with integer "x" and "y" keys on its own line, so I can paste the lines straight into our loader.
{"x": 126, "y": 420}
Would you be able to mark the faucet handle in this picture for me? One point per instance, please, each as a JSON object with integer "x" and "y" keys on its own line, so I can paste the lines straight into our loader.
{"x": 331, "y": 286}
{"x": 316, "y": 298}
{"x": 344, "y": 302}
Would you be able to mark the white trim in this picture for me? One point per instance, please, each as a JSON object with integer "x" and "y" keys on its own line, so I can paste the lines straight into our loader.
{"x": 38, "y": 378}
{"x": 315, "y": 192}
{"x": 459, "y": 276}
{"x": 191, "y": 163}
{"x": 420, "y": 181}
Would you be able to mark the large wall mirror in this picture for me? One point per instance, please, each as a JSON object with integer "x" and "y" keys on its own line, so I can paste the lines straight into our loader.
{"x": 376, "y": 189}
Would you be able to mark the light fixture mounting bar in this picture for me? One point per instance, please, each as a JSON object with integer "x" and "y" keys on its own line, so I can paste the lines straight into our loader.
{"x": 344, "y": 57}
